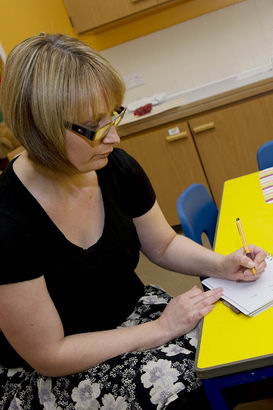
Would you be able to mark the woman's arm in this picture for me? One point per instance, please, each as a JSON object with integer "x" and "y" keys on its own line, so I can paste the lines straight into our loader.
{"x": 31, "y": 323}
{"x": 163, "y": 246}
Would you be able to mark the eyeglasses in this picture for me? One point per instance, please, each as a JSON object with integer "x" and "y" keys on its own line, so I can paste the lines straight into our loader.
{"x": 99, "y": 133}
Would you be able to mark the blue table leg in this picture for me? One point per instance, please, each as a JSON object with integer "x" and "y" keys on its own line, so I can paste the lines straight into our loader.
{"x": 214, "y": 386}
{"x": 214, "y": 395}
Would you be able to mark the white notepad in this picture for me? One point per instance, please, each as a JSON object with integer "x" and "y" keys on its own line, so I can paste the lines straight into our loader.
{"x": 251, "y": 298}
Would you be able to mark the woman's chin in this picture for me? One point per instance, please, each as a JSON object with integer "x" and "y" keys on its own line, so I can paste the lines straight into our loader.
{"x": 94, "y": 165}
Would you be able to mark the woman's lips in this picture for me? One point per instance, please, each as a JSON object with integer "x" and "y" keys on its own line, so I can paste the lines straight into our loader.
{"x": 105, "y": 154}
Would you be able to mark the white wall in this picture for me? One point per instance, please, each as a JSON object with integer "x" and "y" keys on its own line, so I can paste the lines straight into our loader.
{"x": 198, "y": 51}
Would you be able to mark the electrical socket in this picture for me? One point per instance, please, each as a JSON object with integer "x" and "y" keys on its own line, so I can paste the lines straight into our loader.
{"x": 133, "y": 80}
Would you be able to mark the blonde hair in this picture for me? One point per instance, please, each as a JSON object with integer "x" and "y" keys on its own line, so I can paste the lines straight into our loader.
{"x": 48, "y": 80}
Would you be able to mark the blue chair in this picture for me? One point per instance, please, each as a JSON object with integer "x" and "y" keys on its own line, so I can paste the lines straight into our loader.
{"x": 265, "y": 155}
{"x": 197, "y": 213}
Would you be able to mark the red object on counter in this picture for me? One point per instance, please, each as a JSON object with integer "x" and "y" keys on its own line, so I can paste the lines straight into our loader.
{"x": 145, "y": 109}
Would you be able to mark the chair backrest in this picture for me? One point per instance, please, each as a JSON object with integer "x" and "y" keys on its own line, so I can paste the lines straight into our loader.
{"x": 197, "y": 213}
{"x": 265, "y": 155}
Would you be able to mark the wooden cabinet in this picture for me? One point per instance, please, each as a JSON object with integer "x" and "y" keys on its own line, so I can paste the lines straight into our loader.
{"x": 90, "y": 14}
{"x": 227, "y": 139}
{"x": 96, "y": 14}
{"x": 213, "y": 147}
{"x": 171, "y": 162}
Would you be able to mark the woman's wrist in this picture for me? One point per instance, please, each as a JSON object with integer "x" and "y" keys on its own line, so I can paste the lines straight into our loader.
{"x": 160, "y": 335}
{"x": 220, "y": 265}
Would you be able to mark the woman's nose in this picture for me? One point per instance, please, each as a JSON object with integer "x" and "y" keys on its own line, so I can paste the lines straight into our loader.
{"x": 112, "y": 136}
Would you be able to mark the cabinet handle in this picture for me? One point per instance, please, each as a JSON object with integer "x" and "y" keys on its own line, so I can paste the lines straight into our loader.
{"x": 179, "y": 136}
{"x": 204, "y": 127}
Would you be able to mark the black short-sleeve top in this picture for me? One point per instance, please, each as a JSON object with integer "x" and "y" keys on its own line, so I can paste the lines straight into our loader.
{"x": 92, "y": 289}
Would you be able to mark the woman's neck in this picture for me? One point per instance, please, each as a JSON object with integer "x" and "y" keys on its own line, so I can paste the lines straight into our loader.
{"x": 39, "y": 177}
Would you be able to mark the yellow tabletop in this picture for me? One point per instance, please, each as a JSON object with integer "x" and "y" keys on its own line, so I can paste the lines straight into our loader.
{"x": 232, "y": 342}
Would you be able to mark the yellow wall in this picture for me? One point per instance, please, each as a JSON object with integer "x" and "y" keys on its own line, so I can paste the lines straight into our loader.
{"x": 21, "y": 19}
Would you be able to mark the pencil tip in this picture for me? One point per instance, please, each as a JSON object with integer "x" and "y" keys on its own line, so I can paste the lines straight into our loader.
{"x": 237, "y": 219}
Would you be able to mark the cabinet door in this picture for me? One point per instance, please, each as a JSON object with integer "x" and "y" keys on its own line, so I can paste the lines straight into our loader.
{"x": 89, "y": 14}
{"x": 228, "y": 139}
{"x": 170, "y": 161}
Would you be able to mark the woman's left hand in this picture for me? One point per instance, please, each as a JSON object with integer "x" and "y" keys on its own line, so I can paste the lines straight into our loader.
{"x": 237, "y": 266}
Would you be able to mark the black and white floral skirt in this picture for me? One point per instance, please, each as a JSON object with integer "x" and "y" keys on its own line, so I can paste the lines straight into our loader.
{"x": 138, "y": 380}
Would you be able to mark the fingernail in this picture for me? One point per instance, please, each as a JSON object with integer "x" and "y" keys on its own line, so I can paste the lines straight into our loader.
{"x": 250, "y": 264}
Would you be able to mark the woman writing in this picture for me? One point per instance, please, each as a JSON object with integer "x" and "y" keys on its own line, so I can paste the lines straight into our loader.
{"x": 79, "y": 329}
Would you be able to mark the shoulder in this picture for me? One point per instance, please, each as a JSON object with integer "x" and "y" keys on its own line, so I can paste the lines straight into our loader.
{"x": 129, "y": 183}
{"x": 16, "y": 244}
{"x": 5, "y": 182}
{"x": 7, "y": 179}
{"x": 14, "y": 234}
{"x": 123, "y": 162}
{"x": 19, "y": 259}
{"x": 126, "y": 168}
{"x": 18, "y": 256}
{"x": 11, "y": 199}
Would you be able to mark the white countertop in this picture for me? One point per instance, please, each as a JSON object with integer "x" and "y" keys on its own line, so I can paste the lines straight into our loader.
{"x": 207, "y": 90}
{"x": 227, "y": 84}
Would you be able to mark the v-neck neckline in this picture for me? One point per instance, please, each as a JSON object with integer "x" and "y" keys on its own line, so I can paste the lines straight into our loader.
{"x": 36, "y": 204}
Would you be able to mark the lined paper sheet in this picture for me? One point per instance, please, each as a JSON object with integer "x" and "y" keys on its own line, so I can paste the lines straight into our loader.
{"x": 251, "y": 298}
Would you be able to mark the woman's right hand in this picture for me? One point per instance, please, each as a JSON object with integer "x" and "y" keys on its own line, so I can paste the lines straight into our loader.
{"x": 183, "y": 312}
